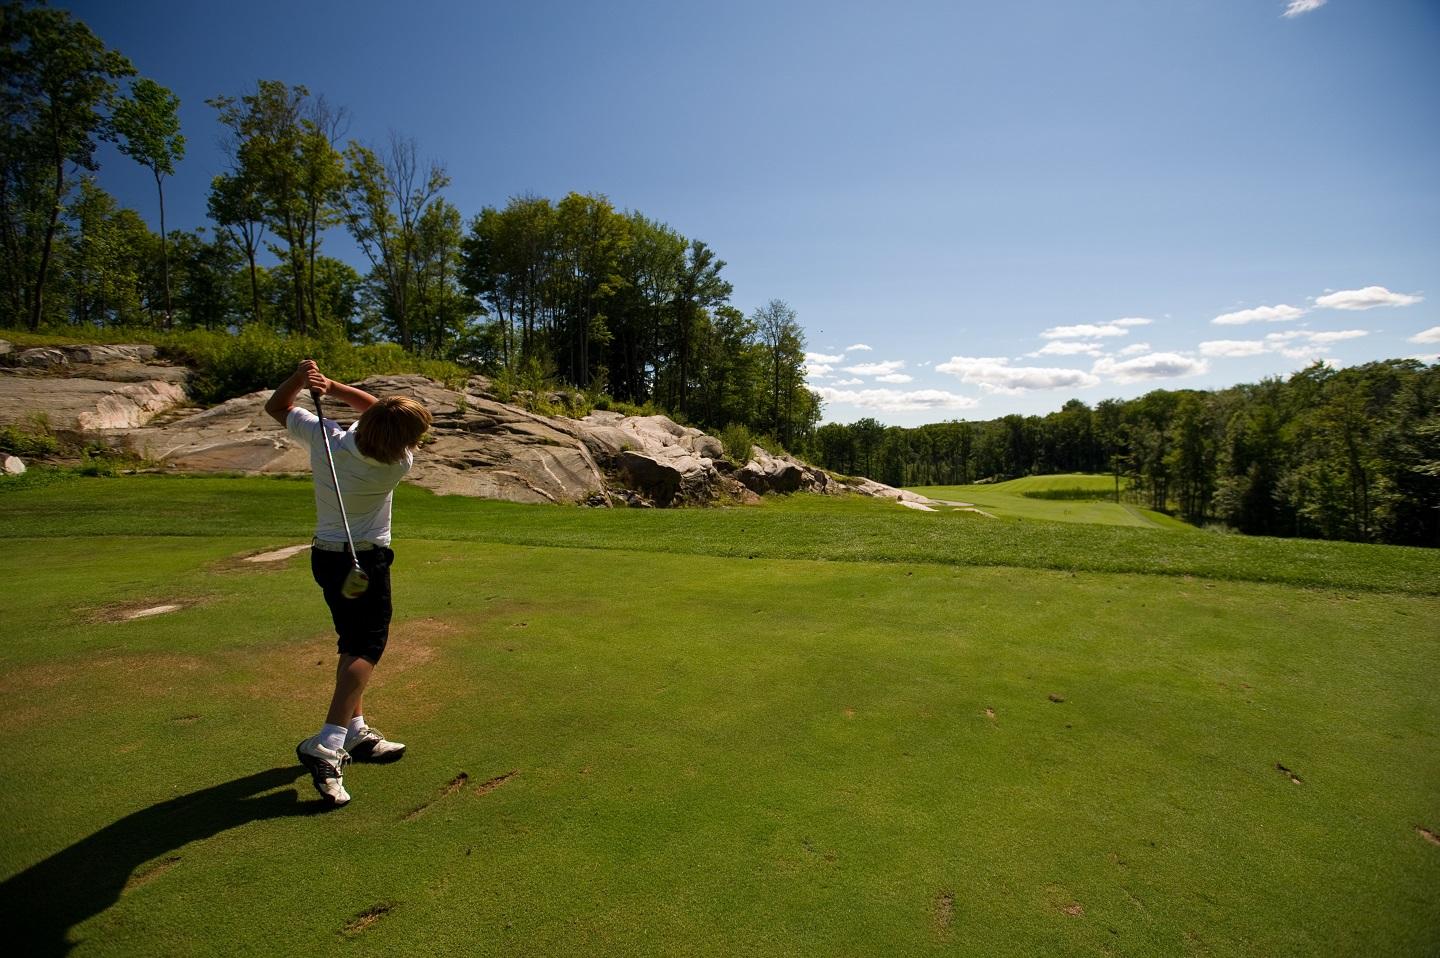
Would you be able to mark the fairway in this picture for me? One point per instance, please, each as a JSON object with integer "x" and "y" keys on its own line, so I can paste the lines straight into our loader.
{"x": 1024, "y": 498}
{"x": 810, "y": 727}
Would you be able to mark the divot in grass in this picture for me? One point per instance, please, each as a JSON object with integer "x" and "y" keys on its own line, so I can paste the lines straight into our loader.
{"x": 488, "y": 786}
{"x": 1427, "y": 834}
{"x": 1294, "y": 779}
{"x": 454, "y": 785}
{"x": 367, "y": 918}
{"x": 146, "y": 875}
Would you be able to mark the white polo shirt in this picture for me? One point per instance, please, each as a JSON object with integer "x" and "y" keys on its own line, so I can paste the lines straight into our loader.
{"x": 366, "y": 484}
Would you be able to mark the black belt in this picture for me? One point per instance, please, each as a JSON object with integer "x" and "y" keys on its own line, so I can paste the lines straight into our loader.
{"x": 324, "y": 545}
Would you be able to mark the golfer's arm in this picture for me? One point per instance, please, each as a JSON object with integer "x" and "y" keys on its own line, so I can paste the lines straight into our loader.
{"x": 280, "y": 401}
{"x": 357, "y": 399}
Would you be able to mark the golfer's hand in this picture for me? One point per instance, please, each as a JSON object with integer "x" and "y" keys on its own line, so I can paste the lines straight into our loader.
{"x": 316, "y": 382}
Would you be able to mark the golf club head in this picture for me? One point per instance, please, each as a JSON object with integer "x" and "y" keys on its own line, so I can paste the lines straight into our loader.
{"x": 356, "y": 582}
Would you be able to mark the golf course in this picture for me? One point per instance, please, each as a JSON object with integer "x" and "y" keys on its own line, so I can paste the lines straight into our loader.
{"x": 819, "y": 725}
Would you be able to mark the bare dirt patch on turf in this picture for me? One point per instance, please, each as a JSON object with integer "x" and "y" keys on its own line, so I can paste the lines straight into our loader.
{"x": 54, "y": 691}
{"x": 1062, "y": 900}
{"x": 306, "y": 667}
{"x": 1427, "y": 834}
{"x": 367, "y": 918}
{"x": 942, "y": 914}
{"x": 277, "y": 555}
{"x": 151, "y": 872}
{"x": 131, "y": 611}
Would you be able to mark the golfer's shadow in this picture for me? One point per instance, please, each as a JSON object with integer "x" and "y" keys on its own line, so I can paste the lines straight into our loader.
{"x": 41, "y": 904}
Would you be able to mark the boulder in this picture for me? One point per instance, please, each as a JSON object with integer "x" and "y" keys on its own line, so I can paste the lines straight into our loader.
{"x": 14, "y": 466}
{"x": 51, "y": 357}
{"x": 479, "y": 446}
{"x": 76, "y": 406}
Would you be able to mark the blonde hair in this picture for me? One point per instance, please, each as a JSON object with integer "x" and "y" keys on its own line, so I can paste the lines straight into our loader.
{"x": 390, "y": 428}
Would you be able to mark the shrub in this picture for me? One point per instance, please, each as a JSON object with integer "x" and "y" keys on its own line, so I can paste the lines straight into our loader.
{"x": 36, "y": 439}
{"x": 737, "y": 441}
{"x": 258, "y": 358}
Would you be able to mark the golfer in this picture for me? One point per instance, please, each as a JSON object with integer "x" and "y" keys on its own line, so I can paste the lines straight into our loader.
{"x": 370, "y": 458}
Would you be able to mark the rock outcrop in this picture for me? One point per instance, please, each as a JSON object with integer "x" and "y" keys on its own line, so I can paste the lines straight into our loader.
{"x": 480, "y": 446}
{"x": 78, "y": 390}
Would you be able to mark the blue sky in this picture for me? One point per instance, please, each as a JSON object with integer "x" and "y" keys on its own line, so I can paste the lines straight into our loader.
{"x": 1011, "y": 204}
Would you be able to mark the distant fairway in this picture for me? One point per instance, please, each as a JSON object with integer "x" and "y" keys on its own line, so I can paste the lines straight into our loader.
{"x": 811, "y": 727}
{"x": 1010, "y": 500}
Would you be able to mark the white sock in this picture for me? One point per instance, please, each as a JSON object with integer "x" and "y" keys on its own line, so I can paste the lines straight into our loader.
{"x": 356, "y": 724}
{"x": 332, "y": 736}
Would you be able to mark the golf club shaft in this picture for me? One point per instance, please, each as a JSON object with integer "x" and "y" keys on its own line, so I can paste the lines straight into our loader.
{"x": 330, "y": 460}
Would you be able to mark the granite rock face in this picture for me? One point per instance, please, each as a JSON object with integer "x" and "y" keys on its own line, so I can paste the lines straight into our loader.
{"x": 84, "y": 390}
{"x": 479, "y": 446}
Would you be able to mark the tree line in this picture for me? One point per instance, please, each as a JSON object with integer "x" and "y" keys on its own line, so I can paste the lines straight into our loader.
{"x": 573, "y": 291}
{"x": 1334, "y": 454}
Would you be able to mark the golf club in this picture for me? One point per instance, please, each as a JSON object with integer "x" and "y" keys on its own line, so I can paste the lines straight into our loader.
{"x": 356, "y": 581}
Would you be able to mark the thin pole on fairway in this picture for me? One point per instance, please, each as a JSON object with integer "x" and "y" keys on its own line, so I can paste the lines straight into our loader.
{"x": 356, "y": 581}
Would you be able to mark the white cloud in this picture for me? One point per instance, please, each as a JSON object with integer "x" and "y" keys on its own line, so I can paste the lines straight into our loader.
{"x": 823, "y": 358}
{"x": 1150, "y": 366}
{"x": 997, "y": 375}
{"x": 877, "y": 369}
{"x": 857, "y": 381}
{"x": 1135, "y": 349}
{"x": 818, "y": 370}
{"x": 1234, "y": 347}
{"x": 858, "y": 348}
{"x": 1426, "y": 357}
{"x": 1120, "y": 327}
{"x": 1431, "y": 335}
{"x": 894, "y": 378}
{"x": 1298, "y": 7}
{"x": 1068, "y": 347}
{"x": 896, "y": 400}
{"x": 1338, "y": 335}
{"x": 1260, "y": 314}
{"x": 1367, "y": 298}
{"x": 1295, "y": 343}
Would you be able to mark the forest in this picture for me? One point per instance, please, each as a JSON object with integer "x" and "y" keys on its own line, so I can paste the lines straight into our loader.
{"x": 1332, "y": 454}
{"x": 575, "y": 292}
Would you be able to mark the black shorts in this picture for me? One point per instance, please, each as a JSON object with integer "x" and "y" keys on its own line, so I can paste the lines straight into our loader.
{"x": 362, "y": 623}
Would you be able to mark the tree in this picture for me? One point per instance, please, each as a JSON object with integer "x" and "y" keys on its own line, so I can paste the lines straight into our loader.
{"x": 148, "y": 126}
{"x": 59, "y": 80}
{"x": 697, "y": 289}
{"x": 384, "y": 202}
{"x": 235, "y": 206}
{"x": 282, "y": 145}
{"x": 778, "y": 331}
{"x": 106, "y": 250}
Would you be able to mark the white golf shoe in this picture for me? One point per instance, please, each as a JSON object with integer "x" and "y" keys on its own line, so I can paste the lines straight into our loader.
{"x": 326, "y": 766}
{"x": 368, "y": 745}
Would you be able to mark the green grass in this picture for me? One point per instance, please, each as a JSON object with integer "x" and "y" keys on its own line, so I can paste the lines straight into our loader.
{"x": 1078, "y": 498}
{"x": 713, "y": 754}
{"x": 797, "y": 527}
